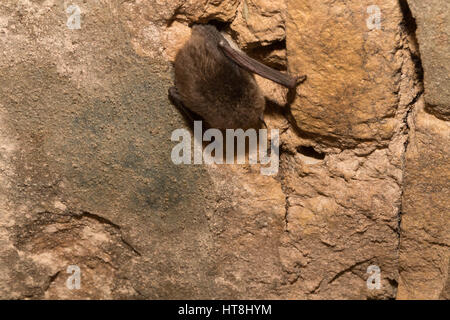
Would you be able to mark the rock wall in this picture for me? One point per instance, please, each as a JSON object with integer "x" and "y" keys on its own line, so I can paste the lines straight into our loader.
{"x": 86, "y": 177}
{"x": 424, "y": 246}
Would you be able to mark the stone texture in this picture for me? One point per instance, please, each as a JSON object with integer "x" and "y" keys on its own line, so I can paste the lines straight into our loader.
{"x": 433, "y": 33}
{"x": 161, "y": 12}
{"x": 353, "y": 72}
{"x": 246, "y": 225}
{"x": 147, "y": 22}
{"x": 425, "y": 241}
{"x": 341, "y": 217}
{"x": 259, "y": 22}
{"x": 345, "y": 169}
{"x": 205, "y": 10}
{"x": 86, "y": 177}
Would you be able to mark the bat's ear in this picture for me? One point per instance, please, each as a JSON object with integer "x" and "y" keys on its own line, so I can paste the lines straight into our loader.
{"x": 257, "y": 67}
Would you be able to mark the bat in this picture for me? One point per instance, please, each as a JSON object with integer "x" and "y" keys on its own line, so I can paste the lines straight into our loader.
{"x": 215, "y": 81}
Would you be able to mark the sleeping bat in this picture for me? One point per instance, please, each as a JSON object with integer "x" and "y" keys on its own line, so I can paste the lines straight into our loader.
{"x": 216, "y": 82}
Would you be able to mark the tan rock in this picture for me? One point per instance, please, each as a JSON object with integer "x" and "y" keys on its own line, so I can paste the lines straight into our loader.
{"x": 85, "y": 171}
{"x": 353, "y": 72}
{"x": 342, "y": 217}
{"x": 205, "y": 10}
{"x": 433, "y": 34}
{"x": 247, "y": 224}
{"x": 274, "y": 56}
{"x": 343, "y": 206}
{"x": 86, "y": 177}
{"x": 161, "y": 12}
{"x": 259, "y": 22}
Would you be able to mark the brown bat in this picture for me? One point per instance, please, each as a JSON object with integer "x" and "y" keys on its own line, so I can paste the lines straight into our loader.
{"x": 216, "y": 82}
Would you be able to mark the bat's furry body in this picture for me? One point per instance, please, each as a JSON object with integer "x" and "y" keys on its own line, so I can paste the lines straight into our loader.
{"x": 211, "y": 80}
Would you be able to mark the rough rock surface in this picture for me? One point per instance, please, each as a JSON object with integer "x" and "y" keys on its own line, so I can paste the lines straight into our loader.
{"x": 86, "y": 177}
{"x": 425, "y": 228}
{"x": 259, "y": 23}
{"x": 433, "y": 33}
{"x": 343, "y": 59}
{"x": 344, "y": 182}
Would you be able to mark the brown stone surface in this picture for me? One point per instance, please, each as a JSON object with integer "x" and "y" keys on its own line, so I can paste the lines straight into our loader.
{"x": 86, "y": 177}
{"x": 204, "y": 10}
{"x": 350, "y": 96}
{"x": 433, "y": 33}
{"x": 161, "y": 12}
{"x": 259, "y": 22}
{"x": 425, "y": 228}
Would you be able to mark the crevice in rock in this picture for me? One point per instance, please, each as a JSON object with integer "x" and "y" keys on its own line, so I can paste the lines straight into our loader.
{"x": 103, "y": 220}
{"x": 85, "y": 214}
{"x": 174, "y": 16}
{"x": 405, "y": 149}
{"x": 310, "y": 152}
{"x": 129, "y": 246}
{"x": 393, "y": 282}
{"x": 220, "y": 25}
{"x": 98, "y": 218}
{"x": 263, "y": 53}
{"x": 349, "y": 269}
{"x": 440, "y": 244}
{"x": 317, "y": 288}
{"x": 409, "y": 27}
{"x": 286, "y": 208}
{"x": 280, "y": 178}
{"x": 51, "y": 280}
{"x": 431, "y": 109}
